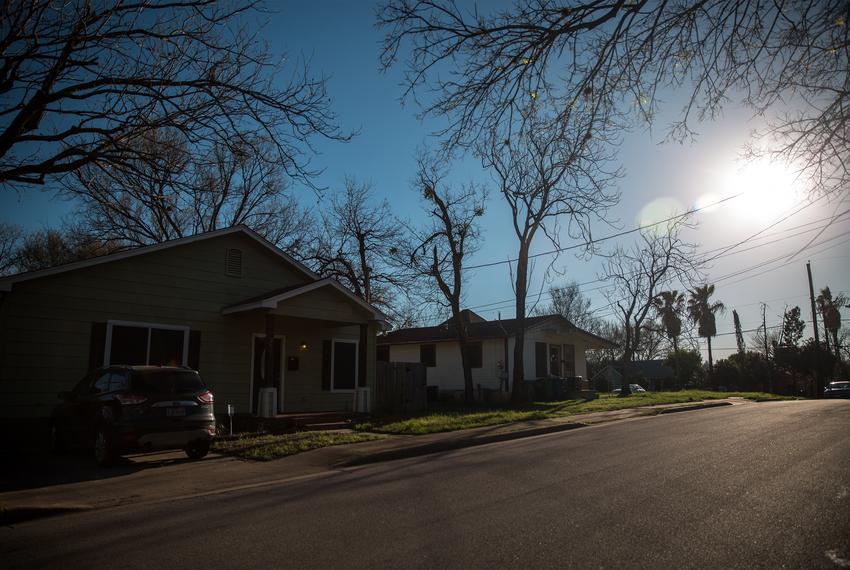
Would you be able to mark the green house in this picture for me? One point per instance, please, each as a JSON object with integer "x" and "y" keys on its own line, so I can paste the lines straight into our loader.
{"x": 220, "y": 302}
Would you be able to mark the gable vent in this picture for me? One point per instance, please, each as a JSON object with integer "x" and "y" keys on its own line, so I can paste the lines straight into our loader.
{"x": 233, "y": 262}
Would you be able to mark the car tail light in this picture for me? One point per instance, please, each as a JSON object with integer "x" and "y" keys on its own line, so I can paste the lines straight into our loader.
{"x": 130, "y": 399}
{"x": 206, "y": 397}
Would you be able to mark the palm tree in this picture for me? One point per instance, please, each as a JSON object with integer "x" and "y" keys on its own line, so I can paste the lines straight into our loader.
{"x": 830, "y": 310}
{"x": 701, "y": 311}
{"x": 669, "y": 305}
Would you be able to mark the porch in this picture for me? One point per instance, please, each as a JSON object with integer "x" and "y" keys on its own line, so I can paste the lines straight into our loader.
{"x": 313, "y": 346}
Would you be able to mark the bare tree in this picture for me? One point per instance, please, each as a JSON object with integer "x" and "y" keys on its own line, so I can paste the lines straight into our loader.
{"x": 477, "y": 68}
{"x": 46, "y": 248}
{"x": 441, "y": 248}
{"x": 638, "y": 276}
{"x": 547, "y": 173}
{"x": 358, "y": 243}
{"x": 569, "y": 302}
{"x": 83, "y": 82}
{"x": 175, "y": 193}
{"x": 10, "y": 236}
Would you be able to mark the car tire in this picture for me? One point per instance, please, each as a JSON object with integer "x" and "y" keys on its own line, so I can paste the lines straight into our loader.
{"x": 57, "y": 441}
{"x": 104, "y": 450}
{"x": 197, "y": 449}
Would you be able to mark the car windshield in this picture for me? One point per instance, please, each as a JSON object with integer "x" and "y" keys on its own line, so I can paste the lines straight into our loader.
{"x": 167, "y": 381}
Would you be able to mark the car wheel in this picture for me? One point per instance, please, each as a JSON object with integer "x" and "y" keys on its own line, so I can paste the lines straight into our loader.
{"x": 197, "y": 449}
{"x": 104, "y": 452}
{"x": 57, "y": 442}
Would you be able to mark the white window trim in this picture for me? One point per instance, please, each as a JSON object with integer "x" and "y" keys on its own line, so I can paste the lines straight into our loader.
{"x": 280, "y": 388}
{"x": 108, "y": 347}
{"x": 356, "y": 344}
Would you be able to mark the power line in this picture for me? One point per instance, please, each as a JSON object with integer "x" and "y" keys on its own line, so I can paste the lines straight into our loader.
{"x": 606, "y": 238}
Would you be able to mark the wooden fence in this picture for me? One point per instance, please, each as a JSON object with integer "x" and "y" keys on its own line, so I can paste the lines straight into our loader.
{"x": 399, "y": 387}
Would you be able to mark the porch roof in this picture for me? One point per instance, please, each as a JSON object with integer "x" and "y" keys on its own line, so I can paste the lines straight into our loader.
{"x": 271, "y": 299}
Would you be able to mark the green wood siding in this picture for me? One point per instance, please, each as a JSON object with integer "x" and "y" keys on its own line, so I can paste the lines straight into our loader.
{"x": 45, "y": 324}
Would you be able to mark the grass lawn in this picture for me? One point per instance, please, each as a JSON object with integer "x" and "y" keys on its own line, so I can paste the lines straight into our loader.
{"x": 266, "y": 447}
{"x": 454, "y": 416}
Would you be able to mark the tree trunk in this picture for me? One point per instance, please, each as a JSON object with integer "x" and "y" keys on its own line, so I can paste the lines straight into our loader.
{"x": 676, "y": 361}
{"x": 711, "y": 363}
{"x": 463, "y": 343}
{"x": 518, "y": 392}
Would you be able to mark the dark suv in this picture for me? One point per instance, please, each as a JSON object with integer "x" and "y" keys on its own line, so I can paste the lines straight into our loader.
{"x": 121, "y": 409}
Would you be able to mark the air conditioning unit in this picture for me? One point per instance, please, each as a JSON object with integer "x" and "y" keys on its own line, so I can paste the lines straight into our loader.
{"x": 363, "y": 400}
{"x": 267, "y": 406}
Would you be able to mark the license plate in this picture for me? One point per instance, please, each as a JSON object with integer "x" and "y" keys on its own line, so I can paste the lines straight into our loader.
{"x": 175, "y": 412}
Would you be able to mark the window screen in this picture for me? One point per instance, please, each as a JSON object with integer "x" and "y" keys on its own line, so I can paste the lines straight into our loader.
{"x": 129, "y": 345}
{"x": 345, "y": 365}
{"x": 428, "y": 354}
{"x": 166, "y": 347}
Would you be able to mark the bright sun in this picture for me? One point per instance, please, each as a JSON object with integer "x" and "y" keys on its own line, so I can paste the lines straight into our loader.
{"x": 768, "y": 189}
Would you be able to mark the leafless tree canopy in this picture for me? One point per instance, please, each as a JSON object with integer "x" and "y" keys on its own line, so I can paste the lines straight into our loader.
{"x": 10, "y": 236}
{"x": 480, "y": 68}
{"x": 87, "y": 83}
{"x": 439, "y": 250}
{"x": 357, "y": 243}
{"x": 638, "y": 275}
{"x": 175, "y": 192}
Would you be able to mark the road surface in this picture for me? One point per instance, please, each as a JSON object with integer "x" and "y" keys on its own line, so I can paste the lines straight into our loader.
{"x": 756, "y": 485}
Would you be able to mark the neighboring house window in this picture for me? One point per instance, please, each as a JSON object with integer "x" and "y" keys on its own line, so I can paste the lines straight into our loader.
{"x": 428, "y": 354}
{"x": 382, "y": 353}
{"x": 540, "y": 360}
{"x": 141, "y": 343}
{"x": 569, "y": 360}
{"x": 473, "y": 354}
{"x": 344, "y": 365}
{"x": 554, "y": 360}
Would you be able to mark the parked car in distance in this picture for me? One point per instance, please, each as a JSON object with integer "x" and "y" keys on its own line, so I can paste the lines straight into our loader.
{"x": 840, "y": 389}
{"x": 124, "y": 409}
{"x": 635, "y": 388}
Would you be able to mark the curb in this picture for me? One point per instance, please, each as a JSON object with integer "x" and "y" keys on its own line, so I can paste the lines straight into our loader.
{"x": 451, "y": 445}
{"x": 17, "y": 514}
{"x": 694, "y": 407}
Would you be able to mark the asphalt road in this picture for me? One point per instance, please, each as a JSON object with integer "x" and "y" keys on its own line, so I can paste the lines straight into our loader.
{"x": 758, "y": 485}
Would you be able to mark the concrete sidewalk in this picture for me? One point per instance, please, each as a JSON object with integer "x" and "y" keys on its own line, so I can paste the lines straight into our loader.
{"x": 167, "y": 476}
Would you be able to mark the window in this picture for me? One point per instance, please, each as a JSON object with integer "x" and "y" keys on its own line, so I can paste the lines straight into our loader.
{"x": 473, "y": 354}
{"x": 344, "y": 365}
{"x": 569, "y": 360}
{"x": 382, "y": 353}
{"x": 540, "y": 362}
{"x": 428, "y": 354}
{"x": 141, "y": 343}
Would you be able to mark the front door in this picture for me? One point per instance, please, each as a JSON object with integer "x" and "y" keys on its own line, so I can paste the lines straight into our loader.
{"x": 258, "y": 379}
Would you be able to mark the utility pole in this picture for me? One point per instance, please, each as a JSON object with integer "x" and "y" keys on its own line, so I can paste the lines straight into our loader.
{"x": 818, "y": 379}
{"x": 766, "y": 349}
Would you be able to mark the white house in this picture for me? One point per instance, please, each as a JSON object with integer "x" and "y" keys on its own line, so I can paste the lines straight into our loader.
{"x": 554, "y": 347}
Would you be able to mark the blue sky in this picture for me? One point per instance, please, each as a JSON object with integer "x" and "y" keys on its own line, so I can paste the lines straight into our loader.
{"x": 340, "y": 40}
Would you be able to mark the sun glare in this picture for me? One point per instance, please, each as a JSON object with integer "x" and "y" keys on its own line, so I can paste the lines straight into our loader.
{"x": 767, "y": 189}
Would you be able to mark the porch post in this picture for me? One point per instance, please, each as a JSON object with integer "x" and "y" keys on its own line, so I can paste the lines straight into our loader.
{"x": 269, "y": 372}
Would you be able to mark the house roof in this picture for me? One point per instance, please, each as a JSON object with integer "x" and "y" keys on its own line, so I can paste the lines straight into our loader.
{"x": 270, "y": 299}
{"x": 7, "y": 282}
{"x": 480, "y": 330}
